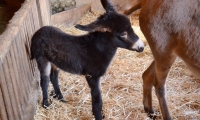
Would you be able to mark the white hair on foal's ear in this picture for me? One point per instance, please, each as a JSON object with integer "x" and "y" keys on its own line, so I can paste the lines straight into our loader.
{"x": 102, "y": 29}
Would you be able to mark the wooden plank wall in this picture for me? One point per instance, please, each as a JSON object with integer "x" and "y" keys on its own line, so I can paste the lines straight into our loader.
{"x": 18, "y": 74}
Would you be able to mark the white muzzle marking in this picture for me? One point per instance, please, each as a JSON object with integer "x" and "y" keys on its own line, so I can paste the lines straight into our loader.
{"x": 138, "y": 45}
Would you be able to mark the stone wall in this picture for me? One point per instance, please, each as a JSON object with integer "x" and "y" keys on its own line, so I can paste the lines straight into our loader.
{"x": 120, "y": 5}
{"x": 61, "y": 5}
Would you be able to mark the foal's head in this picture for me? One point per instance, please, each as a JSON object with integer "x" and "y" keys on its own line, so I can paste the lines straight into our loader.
{"x": 116, "y": 23}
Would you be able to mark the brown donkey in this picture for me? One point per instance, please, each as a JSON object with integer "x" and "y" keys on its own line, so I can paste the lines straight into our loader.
{"x": 172, "y": 29}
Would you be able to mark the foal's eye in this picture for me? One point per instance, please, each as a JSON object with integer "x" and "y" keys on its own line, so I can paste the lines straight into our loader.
{"x": 124, "y": 34}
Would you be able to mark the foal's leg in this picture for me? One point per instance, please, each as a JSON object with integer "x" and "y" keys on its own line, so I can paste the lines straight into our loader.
{"x": 44, "y": 67}
{"x": 93, "y": 83}
{"x": 54, "y": 80}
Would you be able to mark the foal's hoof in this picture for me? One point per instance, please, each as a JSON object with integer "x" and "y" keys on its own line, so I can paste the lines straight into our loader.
{"x": 62, "y": 100}
{"x": 53, "y": 94}
{"x": 99, "y": 116}
{"x": 45, "y": 104}
{"x": 57, "y": 96}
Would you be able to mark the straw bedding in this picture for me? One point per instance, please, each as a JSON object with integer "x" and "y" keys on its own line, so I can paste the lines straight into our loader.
{"x": 121, "y": 87}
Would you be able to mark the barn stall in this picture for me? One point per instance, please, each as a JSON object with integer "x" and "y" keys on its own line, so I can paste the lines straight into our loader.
{"x": 121, "y": 86}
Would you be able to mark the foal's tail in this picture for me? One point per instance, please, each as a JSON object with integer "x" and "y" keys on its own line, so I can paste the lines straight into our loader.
{"x": 36, "y": 46}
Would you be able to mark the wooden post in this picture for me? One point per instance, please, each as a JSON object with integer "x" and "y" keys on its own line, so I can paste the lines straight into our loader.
{"x": 45, "y": 11}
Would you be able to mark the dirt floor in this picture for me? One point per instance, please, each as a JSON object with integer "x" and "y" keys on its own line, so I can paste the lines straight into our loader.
{"x": 121, "y": 87}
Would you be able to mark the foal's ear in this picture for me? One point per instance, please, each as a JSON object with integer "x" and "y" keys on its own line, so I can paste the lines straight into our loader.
{"x": 88, "y": 27}
{"x": 101, "y": 23}
{"x": 108, "y": 6}
{"x": 92, "y": 27}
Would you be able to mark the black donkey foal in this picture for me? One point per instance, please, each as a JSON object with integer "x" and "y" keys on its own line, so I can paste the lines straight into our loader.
{"x": 88, "y": 55}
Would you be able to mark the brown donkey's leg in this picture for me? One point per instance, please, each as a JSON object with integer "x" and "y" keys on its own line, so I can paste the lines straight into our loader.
{"x": 156, "y": 75}
{"x": 147, "y": 88}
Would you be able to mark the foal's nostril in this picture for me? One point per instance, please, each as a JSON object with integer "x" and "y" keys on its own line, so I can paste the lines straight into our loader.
{"x": 138, "y": 46}
{"x": 140, "y": 49}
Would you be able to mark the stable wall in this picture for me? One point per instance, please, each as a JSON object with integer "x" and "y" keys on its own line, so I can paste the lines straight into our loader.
{"x": 19, "y": 77}
{"x": 119, "y": 4}
{"x": 71, "y": 16}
